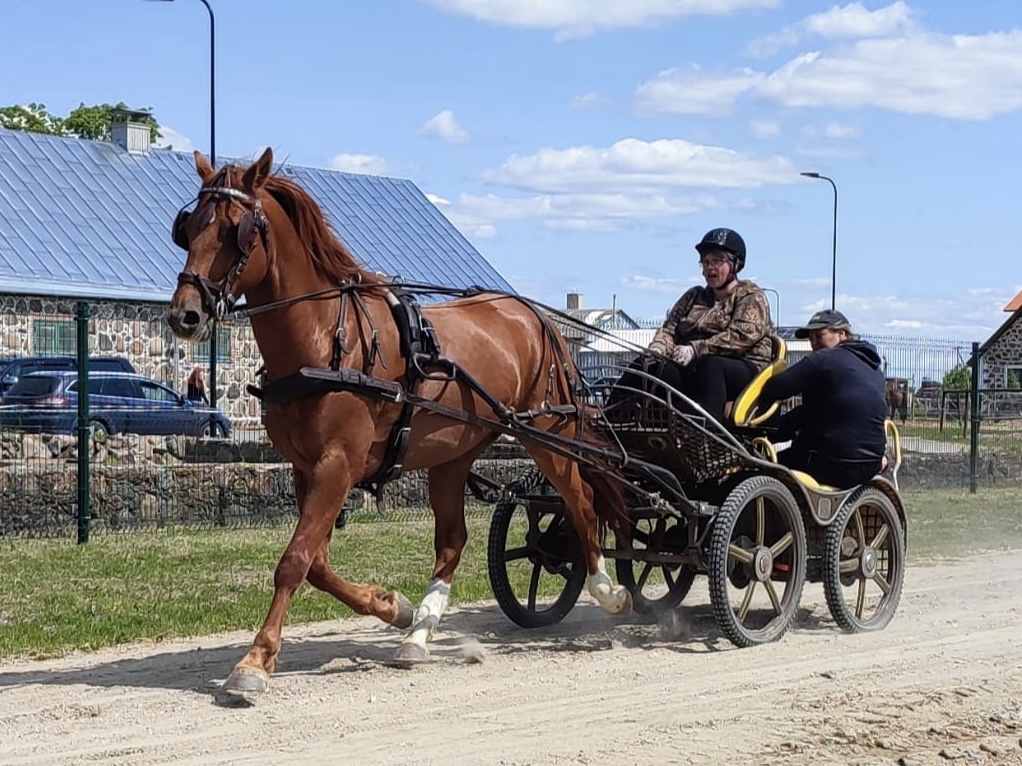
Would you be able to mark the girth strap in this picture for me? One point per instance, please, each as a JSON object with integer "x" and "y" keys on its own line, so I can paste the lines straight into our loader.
{"x": 422, "y": 351}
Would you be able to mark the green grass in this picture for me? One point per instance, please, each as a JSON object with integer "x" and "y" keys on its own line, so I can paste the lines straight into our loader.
{"x": 56, "y": 597}
{"x": 952, "y": 523}
{"x": 1000, "y": 435}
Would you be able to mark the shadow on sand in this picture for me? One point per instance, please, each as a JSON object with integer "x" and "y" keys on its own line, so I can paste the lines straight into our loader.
{"x": 468, "y": 634}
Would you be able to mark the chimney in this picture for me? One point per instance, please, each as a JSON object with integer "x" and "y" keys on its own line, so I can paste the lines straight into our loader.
{"x": 130, "y": 131}
{"x": 574, "y": 301}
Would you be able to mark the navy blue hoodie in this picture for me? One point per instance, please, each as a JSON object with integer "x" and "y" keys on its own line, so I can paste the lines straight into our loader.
{"x": 843, "y": 402}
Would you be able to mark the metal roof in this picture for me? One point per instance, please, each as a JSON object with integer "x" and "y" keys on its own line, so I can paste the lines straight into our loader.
{"x": 89, "y": 219}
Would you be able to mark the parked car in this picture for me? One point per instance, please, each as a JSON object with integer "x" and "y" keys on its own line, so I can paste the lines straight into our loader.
{"x": 18, "y": 366}
{"x": 119, "y": 402}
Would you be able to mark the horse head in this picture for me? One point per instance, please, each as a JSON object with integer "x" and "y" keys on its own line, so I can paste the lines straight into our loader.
{"x": 227, "y": 238}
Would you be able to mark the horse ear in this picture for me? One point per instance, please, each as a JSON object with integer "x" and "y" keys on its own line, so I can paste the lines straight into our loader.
{"x": 258, "y": 172}
{"x": 203, "y": 168}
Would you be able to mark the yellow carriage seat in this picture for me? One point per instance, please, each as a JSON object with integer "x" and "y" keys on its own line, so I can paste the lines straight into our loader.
{"x": 746, "y": 410}
{"x": 812, "y": 483}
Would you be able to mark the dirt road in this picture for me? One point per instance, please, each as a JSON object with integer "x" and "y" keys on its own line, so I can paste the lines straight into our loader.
{"x": 943, "y": 684}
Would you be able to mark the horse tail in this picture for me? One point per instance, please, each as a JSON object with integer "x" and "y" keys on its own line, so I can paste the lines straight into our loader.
{"x": 610, "y": 500}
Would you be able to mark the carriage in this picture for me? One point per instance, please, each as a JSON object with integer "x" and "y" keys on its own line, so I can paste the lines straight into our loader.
{"x": 709, "y": 499}
{"x": 362, "y": 383}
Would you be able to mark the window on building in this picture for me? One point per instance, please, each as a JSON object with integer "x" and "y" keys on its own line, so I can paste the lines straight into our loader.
{"x": 1013, "y": 377}
{"x": 53, "y": 336}
{"x": 200, "y": 350}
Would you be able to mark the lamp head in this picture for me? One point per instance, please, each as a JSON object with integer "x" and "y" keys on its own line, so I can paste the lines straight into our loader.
{"x": 807, "y": 174}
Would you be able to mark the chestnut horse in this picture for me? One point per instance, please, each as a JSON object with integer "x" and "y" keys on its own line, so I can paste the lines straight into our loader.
{"x": 261, "y": 236}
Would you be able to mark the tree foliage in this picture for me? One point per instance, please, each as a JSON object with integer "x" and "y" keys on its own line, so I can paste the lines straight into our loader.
{"x": 958, "y": 379}
{"x": 33, "y": 118}
{"x": 94, "y": 123}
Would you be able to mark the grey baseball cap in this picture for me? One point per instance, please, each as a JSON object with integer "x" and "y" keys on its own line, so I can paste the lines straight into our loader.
{"x": 822, "y": 320}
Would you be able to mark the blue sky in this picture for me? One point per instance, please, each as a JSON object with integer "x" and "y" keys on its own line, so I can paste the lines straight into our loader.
{"x": 588, "y": 144}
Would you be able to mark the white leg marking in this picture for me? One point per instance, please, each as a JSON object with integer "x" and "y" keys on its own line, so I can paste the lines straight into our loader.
{"x": 427, "y": 616}
{"x": 614, "y": 599}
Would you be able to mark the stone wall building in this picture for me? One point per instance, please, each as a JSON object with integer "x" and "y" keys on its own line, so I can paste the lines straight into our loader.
{"x": 1001, "y": 353}
{"x": 90, "y": 221}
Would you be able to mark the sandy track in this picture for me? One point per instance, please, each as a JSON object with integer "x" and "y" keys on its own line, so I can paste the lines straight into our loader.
{"x": 943, "y": 684}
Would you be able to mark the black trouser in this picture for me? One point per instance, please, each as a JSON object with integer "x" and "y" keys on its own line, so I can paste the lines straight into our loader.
{"x": 711, "y": 380}
{"x": 843, "y": 474}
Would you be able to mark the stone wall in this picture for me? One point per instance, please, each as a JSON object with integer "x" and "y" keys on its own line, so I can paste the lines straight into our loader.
{"x": 147, "y": 483}
{"x": 1004, "y": 353}
{"x": 139, "y": 332}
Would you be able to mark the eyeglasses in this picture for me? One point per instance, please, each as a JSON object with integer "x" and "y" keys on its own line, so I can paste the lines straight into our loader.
{"x": 708, "y": 263}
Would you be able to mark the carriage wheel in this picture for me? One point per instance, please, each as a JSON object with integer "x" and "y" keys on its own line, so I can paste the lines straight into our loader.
{"x": 757, "y": 561}
{"x": 647, "y": 580}
{"x": 864, "y": 562}
{"x": 533, "y": 551}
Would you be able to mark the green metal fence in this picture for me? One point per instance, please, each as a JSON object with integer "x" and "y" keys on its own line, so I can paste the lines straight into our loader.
{"x": 81, "y": 483}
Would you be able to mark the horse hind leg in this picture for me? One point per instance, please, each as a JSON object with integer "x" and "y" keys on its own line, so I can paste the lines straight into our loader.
{"x": 563, "y": 473}
{"x": 447, "y": 499}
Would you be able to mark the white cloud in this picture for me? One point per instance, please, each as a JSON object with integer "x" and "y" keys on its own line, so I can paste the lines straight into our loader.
{"x": 852, "y": 21}
{"x": 586, "y": 100}
{"x": 856, "y": 21}
{"x": 663, "y": 285}
{"x": 636, "y": 181}
{"x": 444, "y": 127}
{"x": 579, "y": 18}
{"x": 438, "y": 200}
{"x": 634, "y": 166}
{"x": 970, "y": 314}
{"x": 765, "y": 128}
{"x": 576, "y": 212}
{"x": 690, "y": 91}
{"x": 370, "y": 164}
{"x": 171, "y": 139}
{"x": 812, "y": 282}
{"x": 840, "y": 130}
{"x": 832, "y": 152}
{"x": 967, "y": 77}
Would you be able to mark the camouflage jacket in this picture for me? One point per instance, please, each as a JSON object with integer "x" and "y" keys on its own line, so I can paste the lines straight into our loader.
{"x": 739, "y": 326}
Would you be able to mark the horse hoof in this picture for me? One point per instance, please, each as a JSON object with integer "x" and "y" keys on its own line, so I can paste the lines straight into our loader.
{"x": 625, "y": 607}
{"x": 404, "y": 613}
{"x": 245, "y": 681}
{"x": 409, "y": 654}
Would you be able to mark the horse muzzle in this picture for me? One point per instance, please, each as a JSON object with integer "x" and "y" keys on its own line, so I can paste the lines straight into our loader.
{"x": 188, "y": 317}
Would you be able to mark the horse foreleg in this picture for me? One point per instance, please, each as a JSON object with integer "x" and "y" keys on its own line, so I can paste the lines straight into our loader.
{"x": 447, "y": 498}
{"x": 390, "y": 606}
{"x": 578, "y": 500}
{"x": 319, "y": 502}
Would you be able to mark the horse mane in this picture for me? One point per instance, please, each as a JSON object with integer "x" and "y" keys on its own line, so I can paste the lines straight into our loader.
{"x": 328, "y": 253}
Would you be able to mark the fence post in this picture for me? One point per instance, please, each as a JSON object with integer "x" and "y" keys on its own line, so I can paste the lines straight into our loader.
{"x": 974, "y": 419}
{"x": 84, "y": 427}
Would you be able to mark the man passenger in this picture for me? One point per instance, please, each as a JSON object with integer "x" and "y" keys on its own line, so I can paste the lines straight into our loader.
{"x": 837, "y": 431}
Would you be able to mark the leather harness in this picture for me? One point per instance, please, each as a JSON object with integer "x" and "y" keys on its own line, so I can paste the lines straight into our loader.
{"x": 423, "y": 360}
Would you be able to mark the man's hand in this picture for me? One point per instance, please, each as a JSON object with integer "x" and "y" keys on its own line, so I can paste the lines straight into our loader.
{"x": 683, "y": 355}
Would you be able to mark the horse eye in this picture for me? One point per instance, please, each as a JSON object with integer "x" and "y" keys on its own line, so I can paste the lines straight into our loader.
{"x": 210, "y": 216}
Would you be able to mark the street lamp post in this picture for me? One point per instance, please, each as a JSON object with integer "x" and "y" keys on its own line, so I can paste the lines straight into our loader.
{"x": 212, "y": 160}
{"x": 833, "y": 265}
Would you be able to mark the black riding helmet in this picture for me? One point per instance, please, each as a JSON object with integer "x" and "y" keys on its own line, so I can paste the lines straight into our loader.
{"x": 728, "y": 240}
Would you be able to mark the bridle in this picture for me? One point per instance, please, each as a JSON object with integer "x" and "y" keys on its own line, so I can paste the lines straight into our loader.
{"x": 216, "y": 296}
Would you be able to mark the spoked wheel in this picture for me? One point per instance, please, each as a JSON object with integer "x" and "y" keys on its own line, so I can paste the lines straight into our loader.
{"x": 864, "y": 562}
{"x": 757, "y": 561}
{"x": 656, "y": 586}
{"x": 535, "y": 562}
